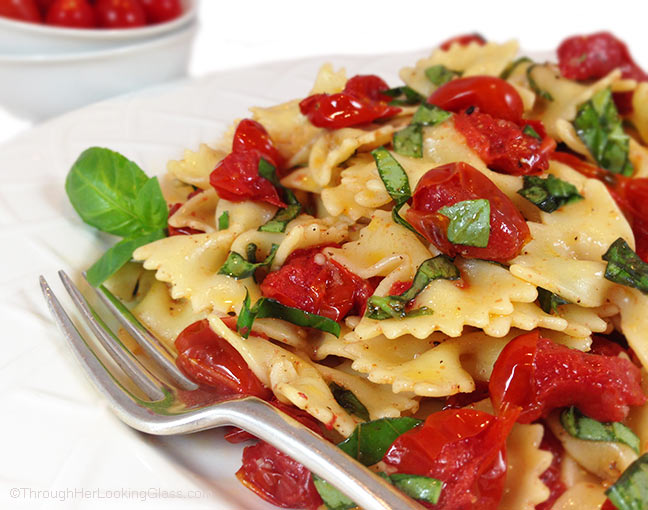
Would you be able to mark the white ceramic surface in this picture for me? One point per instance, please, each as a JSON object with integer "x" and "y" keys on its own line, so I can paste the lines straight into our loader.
{"x": 20, "y": 38}
{"x": 37, "y": 87}
{"x": 58, "y": 435}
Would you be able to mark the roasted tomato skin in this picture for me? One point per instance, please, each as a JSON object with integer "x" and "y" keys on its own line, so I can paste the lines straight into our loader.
{"x": 210, "y": 361}
{"x": 456, "y": 182}
{"x": 491, "y": 95}
{"x": 251, "y": 136}
{"x": 463, "y": 40}
{"x": 465, "y": 449}
{"x": 539, "y": 376}
{"x": 360, "y": 102}
{"x": 316, "y": 284}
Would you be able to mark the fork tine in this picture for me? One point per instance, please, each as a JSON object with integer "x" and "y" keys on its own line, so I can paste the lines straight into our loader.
{"x": 144, "y": 338}
{"x": 128, "y": 363}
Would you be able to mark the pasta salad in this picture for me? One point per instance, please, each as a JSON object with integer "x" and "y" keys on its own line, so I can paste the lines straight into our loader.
{"x": 447, "y": 278}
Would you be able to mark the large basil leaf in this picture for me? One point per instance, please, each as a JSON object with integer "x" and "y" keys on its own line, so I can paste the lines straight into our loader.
{"x": 469, "y": 222}
{"x": 582, "y": 427}
{"x": 625, "y": 267}
{"x": 630, "y": 492}
{"x": 601, "y": 129}
{"x": 549, "y": 194}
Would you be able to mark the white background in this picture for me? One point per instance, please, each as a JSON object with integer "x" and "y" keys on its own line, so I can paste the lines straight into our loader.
{"x": 245, "y": 32}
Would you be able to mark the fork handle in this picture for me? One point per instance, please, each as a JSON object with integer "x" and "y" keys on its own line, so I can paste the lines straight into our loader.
{"x": 366, "y": 489}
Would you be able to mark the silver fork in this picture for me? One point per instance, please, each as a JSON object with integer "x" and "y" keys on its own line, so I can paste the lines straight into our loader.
{"x": 164, "y": 414}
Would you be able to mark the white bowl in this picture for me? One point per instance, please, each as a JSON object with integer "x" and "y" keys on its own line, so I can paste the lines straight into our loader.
{"x": 19, "y": 37}
{"x": 41, "y": 86}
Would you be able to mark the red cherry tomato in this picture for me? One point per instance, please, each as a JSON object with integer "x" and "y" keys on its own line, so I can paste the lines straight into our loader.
{"x": 277, "y": 478}
{"x": 120, "y": 14}
{"x": 314, "y": 283}
{"x": 236, "y": 177}
{"x": 21, "y": 10}
{"x": 539, "y": 376}
{"x": 608, "y": 505}
{"x": 491, "y": 95}
{"x": 44, "y": 5}
{"x": 72, "y": 14}
{"x": 211, "y": 361}
{"x": 465, "y": 449}
{"x": 503, "y": 145}
{"x": 159, "y": 11}
{"x": 463, "y": 40}
{"x": 455, "y": 182}
{"x": 360, "y": 102}
{"x": 551, "y": 477}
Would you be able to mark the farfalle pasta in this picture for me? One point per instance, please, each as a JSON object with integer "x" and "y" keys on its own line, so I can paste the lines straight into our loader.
{"x": 458, "y": 261}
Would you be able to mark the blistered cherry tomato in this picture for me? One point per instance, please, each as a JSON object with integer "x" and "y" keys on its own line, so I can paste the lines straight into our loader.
{"x": 539, "y": 376}
{"x": 314, "y": 283}
{"x": 465, "y": 449}
{"x": 72, "y": 14}
{"x": 159, "y": 11}
{"x": 551, "y": 477}
{"x": 360, "y": 102}
{"x": 463, "y": 40}
{"x": 22, "y": 10}
{"x": 120, "y": 13}
{"x": 491, "y": 95}
{"x": 503, "y": 145}
{"x": 455, "y": 182}
{"x": 209, "y": 360}
{"x": 44, "y": 5}
{"x": 251, "y": 136}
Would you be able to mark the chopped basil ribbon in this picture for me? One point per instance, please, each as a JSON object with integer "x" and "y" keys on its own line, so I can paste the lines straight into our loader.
{"x": 582, "y": 427}
{"x": 506, "y": 73}
{"x": 223, "y": 221}
{"x": 251, "y": 252}
{"x": 630, "y": 491}
{"x": 469, "y": 222}
{"x": 332, "y": 497}
{"x": 549, "y": 302}
{"x": 349, "y": 402}
{"x": 440, "y": 75}
{"x": 534, "y": 85}
{"x": 396, "y": 183}
{"x": 237, "y": 267}
{"x": 429, "y": 115}
{"x": 404, "y": 96}
{"x": 625, "y": 267}
{"x": 266, "y": 307}
{"x": 286, "y": 214}
{"x": 409, "y": 141}
{"x": 394, "y": 307}
{"x": 549, "y": 194}
{"x": 528, "y": 130}
{"x": 600, "y": 128}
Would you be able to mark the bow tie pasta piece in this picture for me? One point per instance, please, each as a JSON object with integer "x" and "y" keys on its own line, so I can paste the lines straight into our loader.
{"x": 243, "y": 216}
{"x": 583, "y": 495}
{"x": 471, "y": 60}
{"x": 639, "y": 116}
{"x": 632, "y": 306}
{"x": 194, "y": 168}
{"x": 197, "y": 212}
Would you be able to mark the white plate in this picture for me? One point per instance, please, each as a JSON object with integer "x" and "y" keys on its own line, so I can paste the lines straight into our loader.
{"x": 58, "y": 437}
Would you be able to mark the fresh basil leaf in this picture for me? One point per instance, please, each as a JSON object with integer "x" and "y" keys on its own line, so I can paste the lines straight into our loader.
{"x": 423, "y": 488}
{"x": 266, "y": 307}
{"x": 409, "y": 141}
{"x": 534, "y": 85}
{"x": 601, "y": 129}
{"x": 111, "y": 261}
{"x": 549, "y": 302}
{"x": 439, "y": 75}
{"x": 332, "y": 497}
{"x": 580, "y": 426}
{"x": 404, "y": 96}
{"x": 223, "y": 221}
{"x": 630, "y": 491}
{"x": 469, "y": 222}
{"x": 549, "y": 194}
{"x": 506, "y": 73}
{"x": 285, "y": 214}
{"x": 393, "y": 175}
{"x": 349, "y": 402}
{"x": 430, "y": 115}
{"x": 104, "y": 188}
{"x": 528, "y": 130}
{"x": 370, "y": 441}
{"x": 251, "y": 252}
{"x": 625, "y": 267}
{"x": 394, "y": 307}
{"x": 237, "y": 267}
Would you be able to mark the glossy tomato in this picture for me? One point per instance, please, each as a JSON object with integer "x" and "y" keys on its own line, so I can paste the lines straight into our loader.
{"x": 314, "y": 283}
{"x": 463, "y": 40}
{"x": 465, "y": 449}
{"x": 455, "y": 182}
{"x": 491, "y": 95}
{"x": 159, "y": 11}
{"x": 72, "y": 14}
{"x": 251, "y": 136}
{"x": 21, "y": 10}
{"x": 120, "y": 13}
{"x": 211, "y": 361}
{"x": 361, "y": 101}
{"x": 539, "y": 376}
